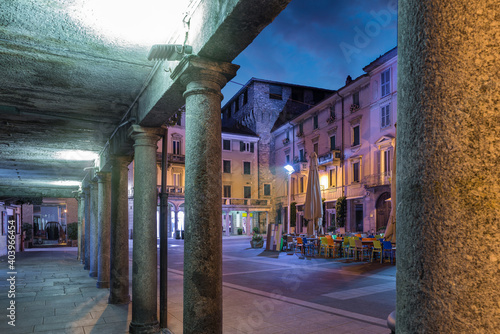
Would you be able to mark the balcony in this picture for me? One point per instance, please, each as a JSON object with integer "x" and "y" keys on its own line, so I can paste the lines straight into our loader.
{"x": 355, "y": 190}
{"x": 330, "y": 158}
{"x": 172, "y": 158}
{"x": 331, "y": 194}
{"x": 301, "y": 167}
{"x": 377, "y": 180}
{"x": 173, "y": 190}
{"x": 244, "y": 201}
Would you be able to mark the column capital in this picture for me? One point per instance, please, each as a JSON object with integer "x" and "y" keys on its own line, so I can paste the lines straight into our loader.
{"x": 121, "y": 161}
{"x": 195, "y": 68}
{"x": 145, "y": 136}
{"x": 102, "y": 177}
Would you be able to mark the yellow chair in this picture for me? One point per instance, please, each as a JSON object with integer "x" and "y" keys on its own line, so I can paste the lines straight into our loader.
{"x": 345, "y": 246}
{"x": 352, "y": 248}
{"x": 377, "y": 248}
{"x": 323, "y": 246}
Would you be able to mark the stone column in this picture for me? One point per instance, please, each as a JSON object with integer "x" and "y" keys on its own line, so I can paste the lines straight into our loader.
{"x": 144, "y": 253}
{"x": 81, "y": 226}
{"x": 86, "y": 194}
{"x": 203, "y": 207}
{"x": 227, "y": 223}
{"x": 93, "y": 230}
{"x": 104, "y": 227}
{"x": 448, "y": 185}
{"x": 119, "y": 250}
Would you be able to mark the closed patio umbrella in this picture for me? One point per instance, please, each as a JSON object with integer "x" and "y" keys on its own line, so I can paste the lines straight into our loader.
{"x": 313, "y": 209}
{"x": 390, "y": 232}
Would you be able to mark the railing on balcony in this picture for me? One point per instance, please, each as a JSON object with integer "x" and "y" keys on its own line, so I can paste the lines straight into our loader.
{"x": 331, "y": 194}
{"x": 329, "y": 157}
{"x": 375, "y": 180}
{"x": 179, "y": 158}
{"x": 355, "y": 190}
{"x": 300, "y": 167}
{"x": 174, "y": 190}
{"x": 243, "y": 201}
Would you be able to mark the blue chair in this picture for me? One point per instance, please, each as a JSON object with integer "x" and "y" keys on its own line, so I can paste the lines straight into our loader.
{"x": 387, "y": 249}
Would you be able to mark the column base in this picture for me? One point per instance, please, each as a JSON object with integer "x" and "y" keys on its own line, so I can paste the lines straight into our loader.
{"x": 119, "y": 300}
{"x": 102, "y": 284}
{"x": 93, "y": 274}
{"x": 148, "y": 328}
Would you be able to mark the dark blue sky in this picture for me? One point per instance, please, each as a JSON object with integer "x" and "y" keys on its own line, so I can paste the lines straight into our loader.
{"x": 318, "y": 43}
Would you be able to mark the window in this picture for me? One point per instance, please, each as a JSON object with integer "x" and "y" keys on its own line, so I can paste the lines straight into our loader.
{"x": 246, "y": 147}
{"x": 287, "y": 158}
{"x": 247, "y": 192}
{"x": 385, "y": 82}
{"x": 332, "y": 143}
{"x": 275, "y": 92}
{"x": 355, "y": 172}
{"x": 176, "y": 147}
{"x": 237, "y": 105}
{"x": 355, "y": 98}
{"x": 267, "y": 189}
{"x": 245, "y": 97}
{"x": 287, "y": 134}
{"x": 179, "y": 120}
{"x": 387, "y": 161}
{"x": 315, "y": 122}
{"x": 177, "y": 179}
{"x": 301, "y": 155}
{"x": 315, "y": 148}
{"x": 332, "y": 177}
{"x": 229, "y": 110}
{"x": 301, "y": 128}
{"x": 246, "y": 167}
{"x": 385, "y": 117}
{"x": 355, "y": 135}
{"x": 227, "y": 191}
{"x": 301, "y": 185}
{"x": 226, "y": 145}
{"x": 226, "y": 166}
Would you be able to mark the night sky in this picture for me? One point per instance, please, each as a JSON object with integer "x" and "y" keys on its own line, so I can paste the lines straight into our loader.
{"x": 318, "y": 43}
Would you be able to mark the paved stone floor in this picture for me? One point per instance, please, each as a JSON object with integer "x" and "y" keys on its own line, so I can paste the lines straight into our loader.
{"x": 263, "y": 292}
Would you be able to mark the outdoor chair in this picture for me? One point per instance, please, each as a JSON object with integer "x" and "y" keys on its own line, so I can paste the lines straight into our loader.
{"x": 387, "y": 250}
{"x": 361, "y": 249}
{"x": 345, "y": 247}
{"x": 352, "y": 248}
{"x": 299, "y": 244}
{"x": 325, "y": 245}
{"x": 333, "y": 247}
{"x": 377, "y": 248}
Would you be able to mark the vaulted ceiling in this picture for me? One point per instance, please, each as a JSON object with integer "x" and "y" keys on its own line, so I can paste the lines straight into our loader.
{"x": 66, "y": 85}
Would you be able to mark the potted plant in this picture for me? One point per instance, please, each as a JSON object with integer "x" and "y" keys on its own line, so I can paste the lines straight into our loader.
{"x": 257, "y": 239}
{"x": 72, "y": 229}
{"x": 240, "y": 231}
{"x": 28, "y": 236}
{"x": 330, "y": 119}
{"x": 286, "y": 141}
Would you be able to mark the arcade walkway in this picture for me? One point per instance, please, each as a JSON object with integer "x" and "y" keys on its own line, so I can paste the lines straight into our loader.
{"x": 261, "y": 293}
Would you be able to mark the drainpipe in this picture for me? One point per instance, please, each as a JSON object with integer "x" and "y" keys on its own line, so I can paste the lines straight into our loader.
{"x": 342, "y": 147}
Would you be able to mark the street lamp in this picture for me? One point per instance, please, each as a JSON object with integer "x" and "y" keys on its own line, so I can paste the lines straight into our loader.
{"x": 290, "y": 170}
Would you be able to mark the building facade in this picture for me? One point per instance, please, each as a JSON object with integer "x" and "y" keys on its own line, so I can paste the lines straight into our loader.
{"x": 353, "y": 134}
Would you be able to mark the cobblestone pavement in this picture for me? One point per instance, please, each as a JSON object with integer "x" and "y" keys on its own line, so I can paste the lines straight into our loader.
{"x": 263, "y": 292}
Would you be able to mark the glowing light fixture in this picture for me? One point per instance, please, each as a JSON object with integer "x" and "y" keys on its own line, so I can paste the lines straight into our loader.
{"x": 289, "y": 169}
{"x": 144, "y": 22}
{"x": 76, "y": 155}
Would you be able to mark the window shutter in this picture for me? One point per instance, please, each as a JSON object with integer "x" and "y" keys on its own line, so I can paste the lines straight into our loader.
{"x": 379, "y": 169}
{"x": 242, "y": 146}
